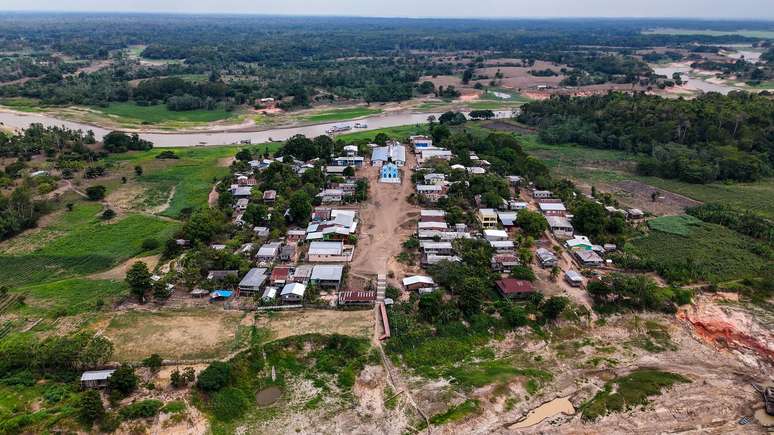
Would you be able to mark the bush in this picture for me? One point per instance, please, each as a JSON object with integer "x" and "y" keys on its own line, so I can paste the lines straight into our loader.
{"x": 214, "y": 377}
{"x": 150, "y": 244}
{"x": 96, "y": 193}
{"x": 90, "y": 407}
{"x": 141, "y": 409}
{"x": 108, "y": 214}
{"x": 153, "y": 362}
{"x": 167, "y": 155}
{"x": 230, "y": 404}
{"x": 123, "y": 380}
{"x": 523, "y": 272}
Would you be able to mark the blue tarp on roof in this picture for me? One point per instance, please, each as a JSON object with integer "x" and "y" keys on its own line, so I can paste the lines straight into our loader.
{"x": 225, "y": 294}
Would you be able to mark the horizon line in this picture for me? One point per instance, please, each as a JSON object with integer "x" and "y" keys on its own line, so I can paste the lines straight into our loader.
{"x": 407, "y": 17}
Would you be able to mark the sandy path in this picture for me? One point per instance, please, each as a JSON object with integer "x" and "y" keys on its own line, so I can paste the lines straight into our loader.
{"x": 385, "y": 222}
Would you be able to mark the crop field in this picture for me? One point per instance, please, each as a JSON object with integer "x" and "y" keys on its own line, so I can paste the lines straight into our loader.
{"x": 159, "y": 114}
{"x": 341, "y": 114}
{"x": 70, "y": 297}
{"x": 77, "y": 243}
{"x": 682, "y": 249}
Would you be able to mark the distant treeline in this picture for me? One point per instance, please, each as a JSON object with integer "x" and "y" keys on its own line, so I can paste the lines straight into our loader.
{"x": 713, "y": 137}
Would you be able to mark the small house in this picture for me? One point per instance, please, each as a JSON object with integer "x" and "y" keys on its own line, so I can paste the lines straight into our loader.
{"x": 560, "y": 227}
{"x": 329, "y": 251}
{"x": 434, "y": 178}
{"x": 217, "y": 275}
{"x": 541, "y": 194}
{"x": 512, "y": 288}
{"x": 432, "y": 215}
{"x": 269, "y": 294}
{"x": 327, "y": 275}
{"x": 573, "y": 278}
{"x": 280, "y": 275}
{"x": 436, "y": 248}
{"x": 495, "y": 235}
{"x": 545, "y": 257}
{"x": 252, "y": 282}
{"x": 303, "y": 273}
{"x": 515, "y": 180}
{"x": 393, "y": 152}
{"x": 433, "y": 192}
{"x": 287, "y": 253}
{"x": 634, "y": 214}
{"x": 293, "y": 292}
{"x": 417, "y": 282}
{"x": 261, "y": 231}
{"x": 487, "y": 217}
{"x": 504, "y": 262}
{"x": 96, "y": 378}
{"x": 589, "y": 258}
{"x": 269, "y": 197}
{"x": 268, "y": 252}
{"x": 331, "y": 196}
{"x": 503, "y": 246}
{"x": 552, "y": 209}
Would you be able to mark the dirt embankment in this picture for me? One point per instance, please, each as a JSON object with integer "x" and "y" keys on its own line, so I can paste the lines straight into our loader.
{"x": 728, "y": 326}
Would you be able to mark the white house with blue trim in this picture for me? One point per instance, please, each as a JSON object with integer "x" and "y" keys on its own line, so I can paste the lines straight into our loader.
{"x": 389, "y": 173}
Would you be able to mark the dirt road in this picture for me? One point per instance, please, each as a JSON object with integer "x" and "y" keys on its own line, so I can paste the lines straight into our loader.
{"x": 386, "y": 220}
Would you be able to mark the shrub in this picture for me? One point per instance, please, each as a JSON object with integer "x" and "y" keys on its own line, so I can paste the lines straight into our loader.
{"x": 95, "y": 193}
{"x": 523, "y": 272}
{"x": 141, "y": 409}
{"x": 153, "y": 362}
{"x": 123, "y": 380}
{"x": 214, "y": 377}
{"x": 230, "y": 404}
{"x": 90, "y": 407}
{"x": 108, "y": 214}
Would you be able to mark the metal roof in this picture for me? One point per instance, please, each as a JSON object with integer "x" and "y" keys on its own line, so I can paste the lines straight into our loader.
{"x": 326, "y": 248}
{"x": 254, "y": 278}
{"x": 330, "y": 272}
{"x": 418, "y": 279}
{"x": 97, "y": 375}
{"x": 293, "y": 288}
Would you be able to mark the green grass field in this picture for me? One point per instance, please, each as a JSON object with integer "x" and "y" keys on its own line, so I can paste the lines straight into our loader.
{"x": 341, "y": 114}
{"x": 403, "y": 131}
{"x": 77, "y": 243}
{"x": 159, "y": 114}
{"x": 70, "y": 297}
{"x": 682, "y": 249}
{"x": 22, "y": 104}
{"x": 191, "y": 175}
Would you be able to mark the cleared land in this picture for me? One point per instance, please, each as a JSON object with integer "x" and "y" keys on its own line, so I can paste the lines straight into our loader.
{"x": 288, "y": 323}
{"x": 189, "y": 334}
{"x": 707, "y": 32}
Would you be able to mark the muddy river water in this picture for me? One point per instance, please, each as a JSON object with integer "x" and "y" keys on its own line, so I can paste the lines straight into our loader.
{"x": 18, "y": 120}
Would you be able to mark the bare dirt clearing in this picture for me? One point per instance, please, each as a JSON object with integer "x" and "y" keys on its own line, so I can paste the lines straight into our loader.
{"x": 183, "y": 334}
{"x": 283, "y": 324}
{"x": 638, "y": 194}
{"x": 385, "y": 222}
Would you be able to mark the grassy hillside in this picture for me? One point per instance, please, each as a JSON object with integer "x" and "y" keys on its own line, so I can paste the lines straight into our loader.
{"x": 77, "y": 243}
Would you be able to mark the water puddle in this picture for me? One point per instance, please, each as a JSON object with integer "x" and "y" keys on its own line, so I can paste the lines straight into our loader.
{"x": 544, "y": 411}
{"x": 268, "y": 395}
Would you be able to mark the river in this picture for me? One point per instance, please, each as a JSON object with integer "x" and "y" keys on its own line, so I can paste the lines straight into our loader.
{"x": 18, "y": 120}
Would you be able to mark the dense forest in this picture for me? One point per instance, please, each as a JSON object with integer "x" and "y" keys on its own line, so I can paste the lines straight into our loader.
{"x": 709, "y": 138}
{"x": 299, "y": 60}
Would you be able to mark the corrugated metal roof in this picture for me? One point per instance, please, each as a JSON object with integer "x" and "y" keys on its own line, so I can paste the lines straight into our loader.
{"x": 97, "y": 375}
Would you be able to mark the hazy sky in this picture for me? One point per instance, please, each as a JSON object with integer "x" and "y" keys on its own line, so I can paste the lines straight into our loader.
{"x": 759, "y": 9}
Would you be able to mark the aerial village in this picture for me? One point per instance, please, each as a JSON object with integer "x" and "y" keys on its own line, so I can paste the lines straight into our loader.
{"x": 307, "y": 261}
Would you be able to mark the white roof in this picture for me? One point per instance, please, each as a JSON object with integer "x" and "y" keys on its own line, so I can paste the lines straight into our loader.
{"x": 438, "y": 152}
{"x": 552, "y": 206}
{"x": 573, "y": 275}
{"x": 328, "y": 272}
{"x": 270, "y": 293}
{"x": 317, "y": 235}
{"x": 434, "y": 176}
{"x": 476, "y": 170}
{"x": 502, "y": 243}
{"x": 326, "y": 248}
{"x": 495, "y": 233}
{"x": 577, "y": 241}
{"x": 293, "y": 288}
{"x": 427, "y": 244}
{"x": 432, "y": 225}
{"x": 429, "y": 188}
{"x": 428, "y": 213}
{"x": 331, "y": 192}
{"x": 558, "y": 222}
{"x": 457, "y": 166}
{"x": 97, "y": 375}
{"x": 418, "y": 279}
{"x": 396, "y": 152}
{"x": 350, "y": 147}
{"x": 269, "y": 249}
{"x": 488, "y": 212}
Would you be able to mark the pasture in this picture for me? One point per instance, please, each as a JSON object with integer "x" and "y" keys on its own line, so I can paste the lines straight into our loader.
{"x": 159, "y": 114}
